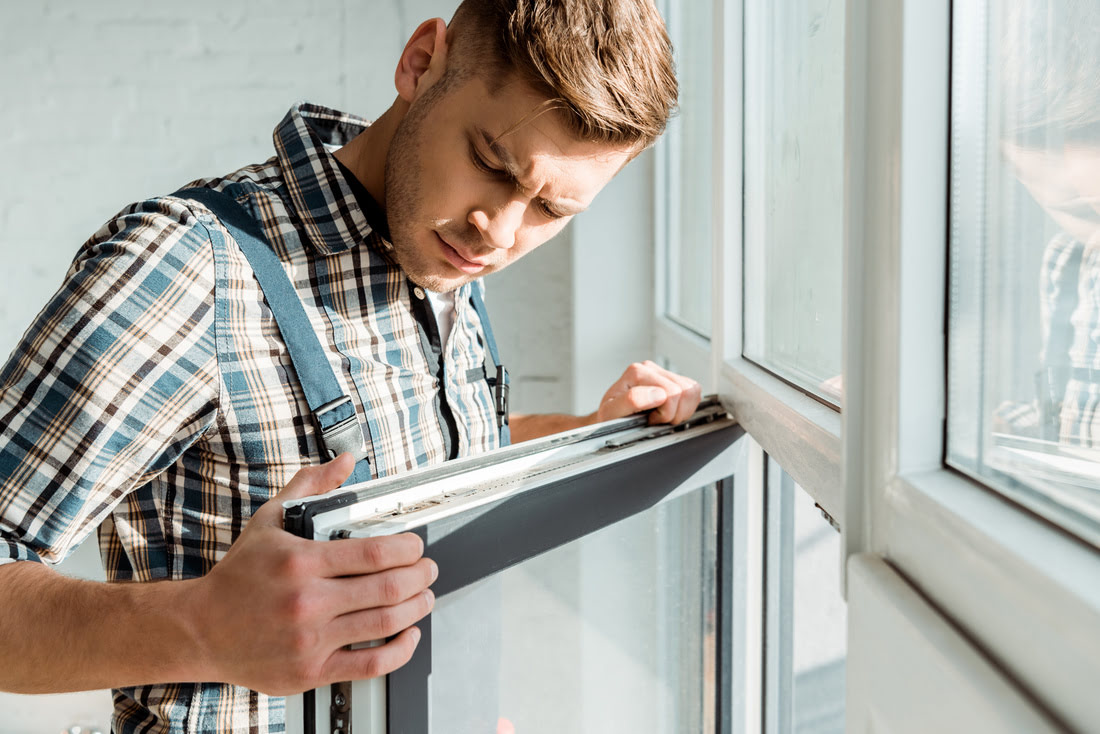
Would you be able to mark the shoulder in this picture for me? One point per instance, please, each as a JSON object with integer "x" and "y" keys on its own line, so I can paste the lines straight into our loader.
{"x": 149, "y": 269}
{"x": 153, "y": 231}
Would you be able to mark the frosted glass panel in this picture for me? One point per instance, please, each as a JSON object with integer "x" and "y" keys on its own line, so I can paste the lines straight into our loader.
{"x": 794, "y": 176}
{"x": 611, "y": 633}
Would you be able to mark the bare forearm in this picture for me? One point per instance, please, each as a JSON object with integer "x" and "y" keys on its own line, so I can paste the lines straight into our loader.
{"x": 526, "y": 427}
{"x": 276, "y": 614}
{"x": 63, "y": 634}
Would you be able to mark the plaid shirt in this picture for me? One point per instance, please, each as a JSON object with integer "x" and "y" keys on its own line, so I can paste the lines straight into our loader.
{"x": 153, "y": 397}
{"x": 1070, "y": 290}
{"x": 1067, "y": 407}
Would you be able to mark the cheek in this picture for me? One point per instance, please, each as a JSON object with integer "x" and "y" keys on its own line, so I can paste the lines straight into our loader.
{"x": 537, "y": 232}
{"x": 1082, "y": 166}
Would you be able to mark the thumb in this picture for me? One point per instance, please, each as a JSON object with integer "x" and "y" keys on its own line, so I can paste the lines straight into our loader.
{"x": 318, "y": 479}
{"x": 307, "y": 482}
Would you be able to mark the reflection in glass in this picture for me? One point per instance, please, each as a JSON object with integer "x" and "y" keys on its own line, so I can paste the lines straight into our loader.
{"x": 806, "y": 617}
{"x": 688, "y": 163}
{"x": 794, "y": 176}
{"x": 1024, "y": 349}
{"x": 611, "y": 633}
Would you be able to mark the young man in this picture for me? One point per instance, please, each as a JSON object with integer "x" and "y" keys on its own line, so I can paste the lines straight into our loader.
{"x": 154, "y": 398}
{"x": 1052, "y": 145}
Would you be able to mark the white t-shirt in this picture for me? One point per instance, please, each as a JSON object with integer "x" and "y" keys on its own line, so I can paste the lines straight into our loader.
{"x": 443, "y": 304}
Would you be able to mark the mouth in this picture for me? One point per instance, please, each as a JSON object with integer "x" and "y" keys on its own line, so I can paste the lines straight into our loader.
{"x": 457, "y": 260}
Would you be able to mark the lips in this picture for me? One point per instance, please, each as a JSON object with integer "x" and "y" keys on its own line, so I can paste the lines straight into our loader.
{"x": 459, "y": 261}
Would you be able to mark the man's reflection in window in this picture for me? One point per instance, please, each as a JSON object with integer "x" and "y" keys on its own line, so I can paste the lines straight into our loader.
{"x": 1051, "y": 77}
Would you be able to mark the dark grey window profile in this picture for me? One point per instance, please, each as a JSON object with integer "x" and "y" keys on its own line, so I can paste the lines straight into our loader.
{"x": 509, "y": 531}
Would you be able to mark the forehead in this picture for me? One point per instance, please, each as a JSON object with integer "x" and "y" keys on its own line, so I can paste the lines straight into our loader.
{"x": 514, "y": 120}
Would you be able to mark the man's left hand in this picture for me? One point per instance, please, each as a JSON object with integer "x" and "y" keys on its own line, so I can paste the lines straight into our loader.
{"x": 646, "y": 386}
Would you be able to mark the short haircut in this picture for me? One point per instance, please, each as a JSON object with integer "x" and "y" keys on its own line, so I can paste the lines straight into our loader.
{"x": 605, "y": 65}
{"x": 1050, "y": 71}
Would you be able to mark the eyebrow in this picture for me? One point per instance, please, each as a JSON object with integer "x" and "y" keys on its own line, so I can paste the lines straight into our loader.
{"x": 512, "y": 170}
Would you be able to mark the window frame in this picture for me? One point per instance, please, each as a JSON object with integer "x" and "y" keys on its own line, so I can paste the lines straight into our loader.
{"x": 1023, "y": 592}
{"x": 559, "y": 508}
{"x": 795, "y": 429}
{"x": 784, "y": 424}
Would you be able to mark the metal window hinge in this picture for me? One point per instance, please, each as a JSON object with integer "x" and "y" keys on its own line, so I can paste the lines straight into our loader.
{"x": 340, "y": 711}
{"x": 828, "y": 518}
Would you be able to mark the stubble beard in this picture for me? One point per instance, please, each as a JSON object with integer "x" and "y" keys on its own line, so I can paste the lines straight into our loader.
{"x": 403, "y": 200}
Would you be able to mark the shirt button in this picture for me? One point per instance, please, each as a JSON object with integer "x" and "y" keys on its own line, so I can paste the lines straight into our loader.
{"x": 419, "y": 292}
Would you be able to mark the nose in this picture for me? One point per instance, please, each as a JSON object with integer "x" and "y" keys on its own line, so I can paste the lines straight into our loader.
{"x": 498, "y": 225}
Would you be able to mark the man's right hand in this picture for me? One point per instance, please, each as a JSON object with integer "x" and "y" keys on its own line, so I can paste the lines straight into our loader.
{"x": 277, "y": 612}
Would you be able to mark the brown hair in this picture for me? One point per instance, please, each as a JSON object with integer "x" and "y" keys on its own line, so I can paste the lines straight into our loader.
{"x": 1049, "y": 67}
{"x": 605, "y": 64}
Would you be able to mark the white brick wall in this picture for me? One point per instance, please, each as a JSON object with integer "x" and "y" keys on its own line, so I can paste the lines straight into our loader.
{"x": 111, "y": 101}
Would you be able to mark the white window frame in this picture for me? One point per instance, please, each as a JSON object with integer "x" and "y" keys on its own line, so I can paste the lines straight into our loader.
{"x": 799, "y": 432}
{"x": 937, "y": 566}
{"x": 692, "y": 352}
{"x": 1023, "y": 593}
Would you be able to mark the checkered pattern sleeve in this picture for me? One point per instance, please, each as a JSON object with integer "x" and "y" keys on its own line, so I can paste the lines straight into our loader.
{"x": 116, "y": 377}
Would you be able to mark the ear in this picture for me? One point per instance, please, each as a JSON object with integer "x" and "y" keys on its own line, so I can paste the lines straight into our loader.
{"x": 423, "y": 61}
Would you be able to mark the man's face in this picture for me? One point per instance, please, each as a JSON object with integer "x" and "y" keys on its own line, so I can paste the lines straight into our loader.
{"x": 1065, "y": 182}
{"x": 473, "y": 185}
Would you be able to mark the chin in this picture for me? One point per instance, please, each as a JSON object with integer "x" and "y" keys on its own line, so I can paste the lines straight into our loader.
{"x": 438, "y": 283}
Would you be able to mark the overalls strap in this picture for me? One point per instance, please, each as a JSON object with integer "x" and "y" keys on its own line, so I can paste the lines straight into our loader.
{"x": 338, "y": 427}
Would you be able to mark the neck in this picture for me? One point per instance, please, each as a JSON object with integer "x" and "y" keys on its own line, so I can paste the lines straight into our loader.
{"x": 365, "y": 154}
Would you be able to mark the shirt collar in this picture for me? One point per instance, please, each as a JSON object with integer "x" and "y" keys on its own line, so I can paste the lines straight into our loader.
{"x": 330, "y": 217}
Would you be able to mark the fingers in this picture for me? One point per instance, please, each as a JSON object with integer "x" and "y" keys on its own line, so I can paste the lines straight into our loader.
{"x": 374, "y": 661}
{"x": 380, "y": 622}
{"x": 382, "y": 589}
{"x": 684, "y": 398}
{"x": 308, "y": 481}
{"x": 634, "y": 400}
{"x": 358, "y": 556}
{"x": 646, "y": 386}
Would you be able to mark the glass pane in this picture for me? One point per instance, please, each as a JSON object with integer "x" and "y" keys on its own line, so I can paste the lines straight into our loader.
{"x": 688, "y": 168}
{"x": 610, "y": 633}
{"x": 794, "y": 181}
{"x": 1024, "y": 329}
{"x": 806, "y": 617}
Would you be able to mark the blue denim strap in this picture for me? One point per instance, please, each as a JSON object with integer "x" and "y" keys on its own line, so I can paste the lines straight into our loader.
{"x": 338, "y": 428}
{"x": 498, "y": 376}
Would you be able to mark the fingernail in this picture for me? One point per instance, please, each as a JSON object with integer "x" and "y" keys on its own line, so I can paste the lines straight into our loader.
{"x": 429, "y": 596}
{"x": 434, "y": 569}
{"x": 415, "y": 634}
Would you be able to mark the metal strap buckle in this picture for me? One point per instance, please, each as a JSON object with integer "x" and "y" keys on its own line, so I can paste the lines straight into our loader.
{"x": 500, "y": 392}
{"x": 343, "y": 436}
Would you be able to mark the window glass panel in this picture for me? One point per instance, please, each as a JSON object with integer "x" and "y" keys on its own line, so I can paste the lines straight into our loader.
{"x": 1024, "y": 329}
{"x": 687, "y": 181}
{"x": 611, "y": 633}
{"x": 805, "y": 618}
{"x": 793, "y": 179}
